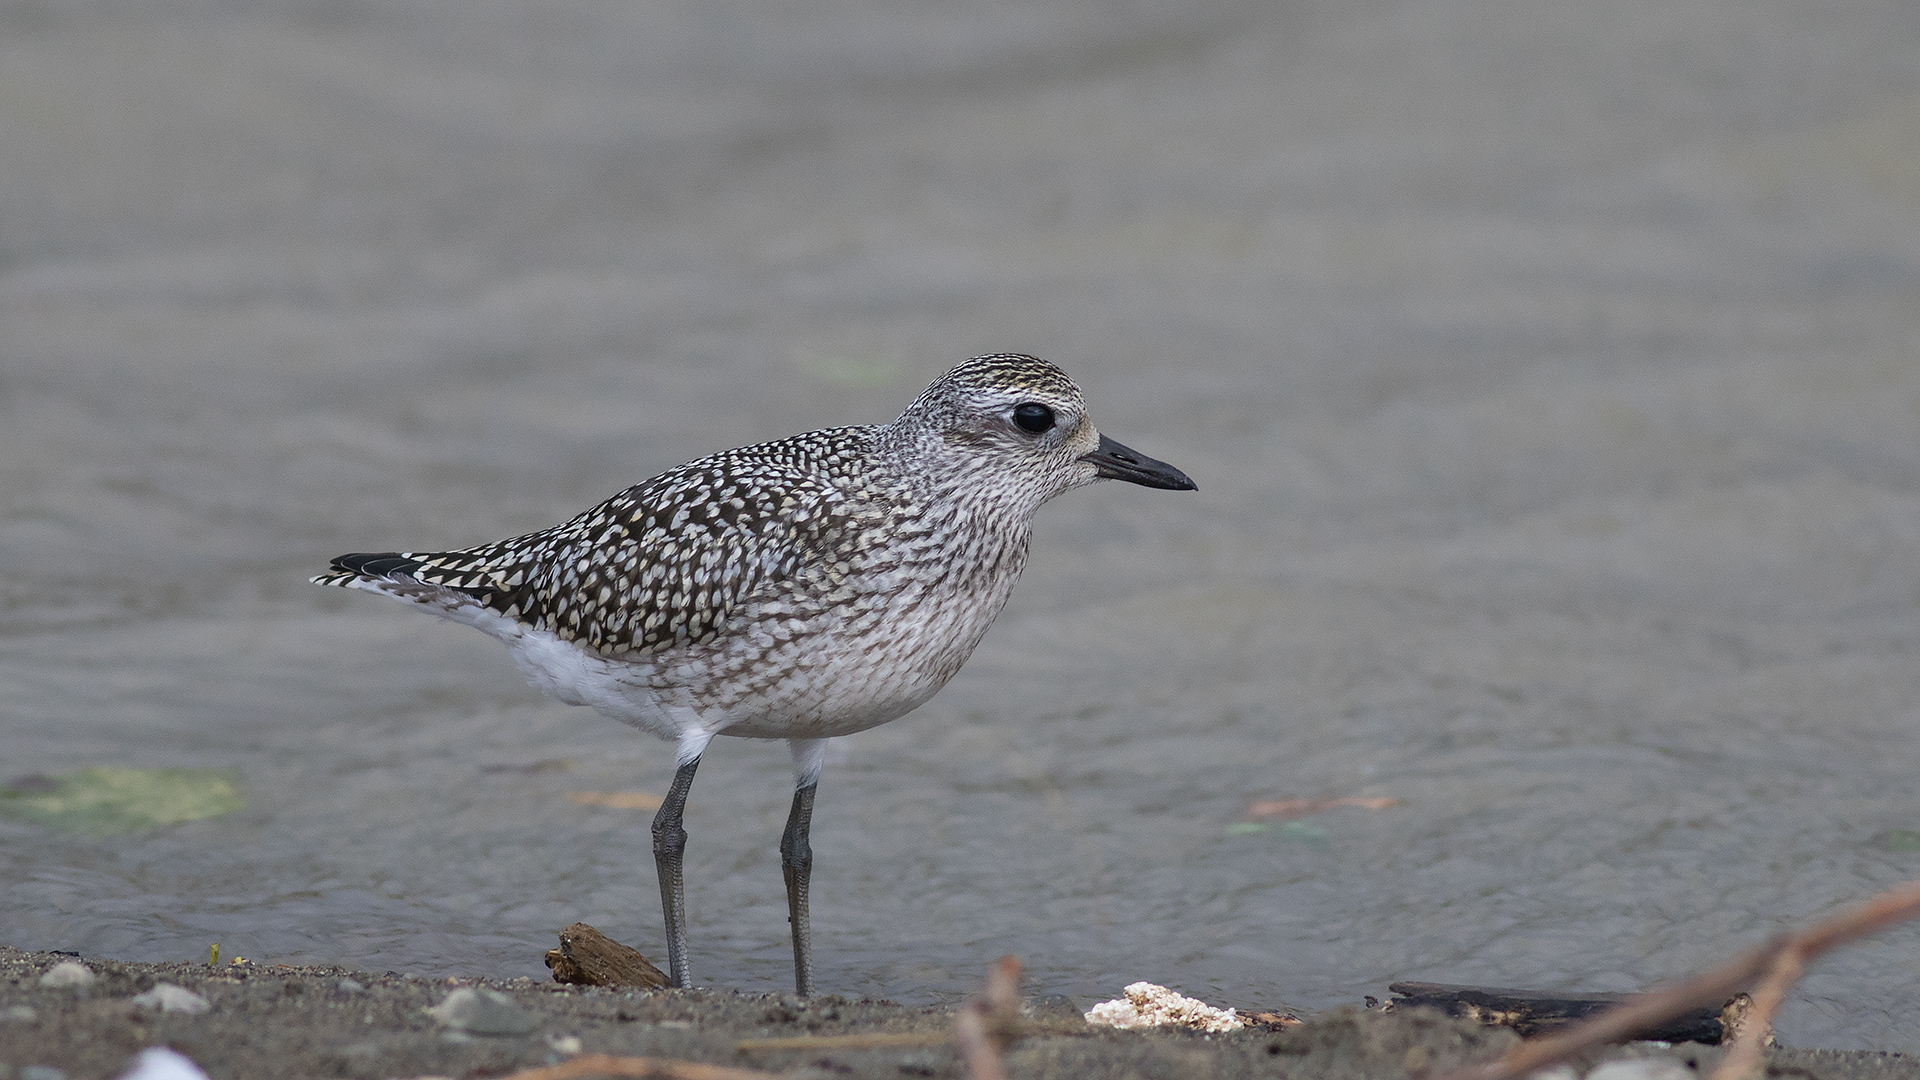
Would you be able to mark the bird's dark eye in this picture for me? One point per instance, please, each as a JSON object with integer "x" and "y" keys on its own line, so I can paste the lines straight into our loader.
{"x": 1033, "y": 417}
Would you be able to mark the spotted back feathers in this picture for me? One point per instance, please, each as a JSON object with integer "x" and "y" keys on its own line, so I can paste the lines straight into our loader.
{"x": 668, "y": 561}
{"x": 755, "y": 534}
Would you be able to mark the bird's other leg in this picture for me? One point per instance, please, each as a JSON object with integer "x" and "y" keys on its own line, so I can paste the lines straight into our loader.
{"x": 796, "y": 855}
{"x": 669, "y": 844}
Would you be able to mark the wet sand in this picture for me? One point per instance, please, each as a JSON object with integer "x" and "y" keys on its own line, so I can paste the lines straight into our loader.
{"x": 265, "y": 1022}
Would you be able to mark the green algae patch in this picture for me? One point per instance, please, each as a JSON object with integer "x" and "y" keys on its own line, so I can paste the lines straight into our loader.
{"x": 858, "y": 372}
{"x": 1903, "y": 840}
{"x": 1292, "y": 830}
{"x": 111, "y": 800}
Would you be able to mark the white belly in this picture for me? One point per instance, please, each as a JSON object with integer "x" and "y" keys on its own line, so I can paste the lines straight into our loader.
{"x": 860, "y": 661}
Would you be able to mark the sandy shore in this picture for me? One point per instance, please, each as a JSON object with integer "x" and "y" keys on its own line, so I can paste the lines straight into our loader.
{"x": 267, "y": 1022}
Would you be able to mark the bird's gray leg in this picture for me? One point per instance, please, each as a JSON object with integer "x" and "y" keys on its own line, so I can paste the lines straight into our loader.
{"x": 669, "y": 844}
{"x": 796, "y": 855}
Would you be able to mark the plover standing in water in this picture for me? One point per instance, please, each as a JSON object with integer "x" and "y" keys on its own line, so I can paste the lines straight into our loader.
{"x": 800, "y": 589}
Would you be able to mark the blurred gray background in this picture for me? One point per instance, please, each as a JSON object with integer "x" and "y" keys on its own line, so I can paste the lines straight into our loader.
{"x": 1549, "y": 371}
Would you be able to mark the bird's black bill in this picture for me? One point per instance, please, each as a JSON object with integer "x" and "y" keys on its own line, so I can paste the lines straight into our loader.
{"x": 1117, "y": 462}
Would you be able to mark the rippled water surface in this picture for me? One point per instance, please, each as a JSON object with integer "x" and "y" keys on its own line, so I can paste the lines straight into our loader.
{"x": 1549, "y": 372}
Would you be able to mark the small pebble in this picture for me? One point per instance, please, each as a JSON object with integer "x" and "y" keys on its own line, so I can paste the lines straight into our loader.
{"x": 22, "y": 1013}
{"x": 349, "y": 986}
{"x": 1055, "y": 1007}
{"x": 160, "y": 1063}
{"x": 170, "y": 998}
{"x": 483, "y": 1012}
{"x": 67, "y": 973}
{"x": 564, "y": 1044}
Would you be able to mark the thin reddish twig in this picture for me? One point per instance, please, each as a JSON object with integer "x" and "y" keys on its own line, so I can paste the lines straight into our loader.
{"x": 637, "y": 1067}
{"x": 985, "y": 1025}
{"x": 1743, "y": 1057}
{"x": 1294, "y": 808}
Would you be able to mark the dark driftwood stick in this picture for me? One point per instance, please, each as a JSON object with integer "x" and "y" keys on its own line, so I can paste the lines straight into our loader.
{"x": 1530, "y": 1012}
{"x": 591, "y": 958}
{"x": 1639, "y": 1013}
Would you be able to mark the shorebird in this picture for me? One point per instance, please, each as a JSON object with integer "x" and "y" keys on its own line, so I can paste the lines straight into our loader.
{"x": 800, "y": 589}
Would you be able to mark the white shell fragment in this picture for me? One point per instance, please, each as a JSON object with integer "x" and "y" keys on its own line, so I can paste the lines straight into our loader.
{"x": 160, "y": 1063}
{"x": 1647, "y": 1068}
{"x": 483, "y": 1012}
{"x": 1151, "y": 1005}
{"x": 174, "y": 999}
{"x": 68, "y": 973}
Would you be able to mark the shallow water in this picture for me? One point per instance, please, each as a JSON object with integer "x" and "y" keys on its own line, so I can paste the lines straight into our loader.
{"x": 1549, "y": 374}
